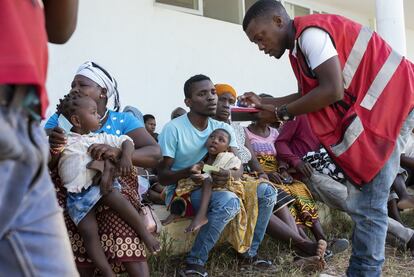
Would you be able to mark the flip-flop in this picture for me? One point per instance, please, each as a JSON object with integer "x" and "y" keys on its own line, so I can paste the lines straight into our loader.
{"x": 193, "y": 270}
{"x": 338, "y": 245}
{"x": 328, "y": 254}
{"x": 256, "y": 263}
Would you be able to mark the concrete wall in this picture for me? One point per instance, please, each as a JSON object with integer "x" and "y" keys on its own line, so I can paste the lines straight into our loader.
{"x": 152, "y": 50}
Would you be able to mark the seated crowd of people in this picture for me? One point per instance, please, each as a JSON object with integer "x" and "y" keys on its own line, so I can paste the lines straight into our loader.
{"x": 235, "y": 182}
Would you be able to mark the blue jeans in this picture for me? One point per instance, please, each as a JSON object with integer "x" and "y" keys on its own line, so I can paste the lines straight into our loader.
{"x": 33, "y": 236}
{"x": 223, "y": 207}
{"x": 227, "y": 201}
{"x": 368, "y": 209}
{"x": 266, "y": 196}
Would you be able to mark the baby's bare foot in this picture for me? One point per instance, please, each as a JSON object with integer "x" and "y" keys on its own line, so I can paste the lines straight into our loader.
{"x": 152, "y": 244}
{"x": 196, "y": 223}
{"x": 169, "y": 219}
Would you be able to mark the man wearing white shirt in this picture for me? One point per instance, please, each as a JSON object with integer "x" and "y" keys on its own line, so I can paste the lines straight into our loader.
{"x": 350, "y": 86}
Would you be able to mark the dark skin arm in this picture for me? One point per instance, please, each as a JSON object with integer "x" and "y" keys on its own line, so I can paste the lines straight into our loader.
{"x": 125, "y": 163}
{"x": 305, "y": 169}
{"x": 61, "y": 17}
{"x": 57, "y": 137}
{"x": 167, "y": 177}
{"x": 254, "y": 163}
{"x": 407, "y": 162}
{"x": 329, "y": 91}
{"x": 147, "y": 152}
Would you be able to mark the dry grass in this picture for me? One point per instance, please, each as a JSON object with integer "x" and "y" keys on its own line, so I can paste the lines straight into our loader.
{"x": 222, "y": 260}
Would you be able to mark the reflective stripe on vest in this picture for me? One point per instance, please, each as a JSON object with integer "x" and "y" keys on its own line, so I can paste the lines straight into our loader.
{"x": 355, "y": 57}
{"x": 385, "y": 74}
{"x": 381, "y": 80}
{"x": 354, "y": 130}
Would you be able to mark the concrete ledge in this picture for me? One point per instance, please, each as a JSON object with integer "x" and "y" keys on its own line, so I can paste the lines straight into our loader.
{"x": 174, "y": 232}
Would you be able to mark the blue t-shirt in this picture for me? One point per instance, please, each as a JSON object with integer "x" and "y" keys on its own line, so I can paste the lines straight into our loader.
{"x": 181, "y": 141}
{"x": 118, "y": 123}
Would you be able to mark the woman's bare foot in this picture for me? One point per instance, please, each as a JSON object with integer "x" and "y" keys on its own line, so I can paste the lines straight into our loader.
{"x": 320, "y": 250}
{"x": 406, "y": 202}
{"x": 152, "y": 244}
{"x": 197, "y": 222}
{"x": 310, "y": 248}
{"x": 169, "y": 219}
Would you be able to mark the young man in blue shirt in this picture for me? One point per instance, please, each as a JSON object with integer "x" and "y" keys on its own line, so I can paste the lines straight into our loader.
{"x": 182, "y": 144}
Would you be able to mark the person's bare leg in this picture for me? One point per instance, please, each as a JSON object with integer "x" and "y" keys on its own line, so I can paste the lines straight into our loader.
{"x": 279, "y": 230}
{"x": 200, "y": 218}
{"x": 88, "y": 229}
{"x": 410, "y": 245}
{"x": 406, "y": 200}
{"x": 86, "y": 271}
{"x": 170, "y": 218}
{"x": 393, "y": 211}
{"x": 155, "y": 197}
{"x": 285, "y": 215}
{"x": 157, "y": 187}
{"x": 116, "y": 201}
{"x": 317, "y": 230}
{"x": 302, "y": 232}
{"x": 138, "y": 269}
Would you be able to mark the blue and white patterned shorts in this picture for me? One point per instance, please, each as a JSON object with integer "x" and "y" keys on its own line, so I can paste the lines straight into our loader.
{"x": 79, "y": 204}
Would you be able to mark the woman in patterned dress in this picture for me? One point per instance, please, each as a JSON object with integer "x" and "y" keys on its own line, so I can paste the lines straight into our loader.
{"x": 282, "y": 224}
{"x": 122, "y": 246}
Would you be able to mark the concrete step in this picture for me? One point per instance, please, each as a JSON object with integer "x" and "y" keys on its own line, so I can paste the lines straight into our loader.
{"x": 174, "y": 232}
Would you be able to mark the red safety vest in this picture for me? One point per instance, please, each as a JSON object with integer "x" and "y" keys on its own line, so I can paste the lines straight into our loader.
{"x": 360, "y": 131}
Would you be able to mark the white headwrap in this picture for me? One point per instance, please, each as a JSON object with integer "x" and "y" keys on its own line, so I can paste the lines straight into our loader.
{"x": 94, "y": 72}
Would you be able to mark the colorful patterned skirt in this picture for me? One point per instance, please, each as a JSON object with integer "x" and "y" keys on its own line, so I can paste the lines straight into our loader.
{"x": 119, "y": 241}
{"x": 303, "y": 208}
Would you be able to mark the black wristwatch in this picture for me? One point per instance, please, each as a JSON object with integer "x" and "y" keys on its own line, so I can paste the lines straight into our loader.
{"x": 283, "y": 114}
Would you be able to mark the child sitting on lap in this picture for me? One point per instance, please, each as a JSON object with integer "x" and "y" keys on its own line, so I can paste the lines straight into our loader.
{"x": 83, "y": 192}
{"x": 217, "y": 146}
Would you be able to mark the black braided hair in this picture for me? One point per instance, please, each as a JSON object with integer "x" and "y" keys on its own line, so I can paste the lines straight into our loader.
{"x": 69, "y": 103}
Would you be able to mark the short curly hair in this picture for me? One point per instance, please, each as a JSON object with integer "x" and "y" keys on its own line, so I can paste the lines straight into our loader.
{"x": 69, "y": 103}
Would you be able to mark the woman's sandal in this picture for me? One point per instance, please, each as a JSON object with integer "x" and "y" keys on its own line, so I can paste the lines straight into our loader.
{"x": 256, "y": 264}
{"x": 193, "y": 270}
{"x": 328, "y": 255}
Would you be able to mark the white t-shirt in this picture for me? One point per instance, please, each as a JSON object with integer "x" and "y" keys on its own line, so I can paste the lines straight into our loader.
{"x": 316, "y": 46}
{"x": 72, "y": 164}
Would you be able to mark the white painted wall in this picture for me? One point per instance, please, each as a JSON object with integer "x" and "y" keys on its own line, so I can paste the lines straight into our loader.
{"x": 409, "y": 35}
{"x": 152, "y": 50}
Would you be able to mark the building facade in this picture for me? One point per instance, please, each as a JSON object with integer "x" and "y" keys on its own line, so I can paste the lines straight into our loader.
{"x": 153, "y": 46}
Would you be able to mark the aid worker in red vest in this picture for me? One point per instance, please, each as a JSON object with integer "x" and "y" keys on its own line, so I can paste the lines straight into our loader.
{"x": 33, "y": 236}
{"x": 358, "y": 94}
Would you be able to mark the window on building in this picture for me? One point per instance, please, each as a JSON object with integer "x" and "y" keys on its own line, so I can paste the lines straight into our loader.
{"x": 228, "y": 10}
{"x": 296, "y": 10}
{"x": 188, "y": 4}
{"x": 248, "y": 4}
